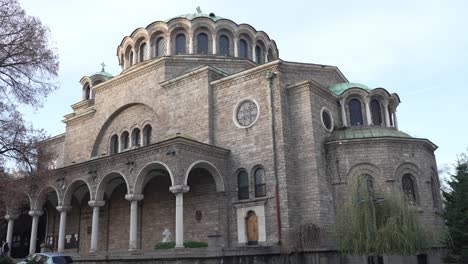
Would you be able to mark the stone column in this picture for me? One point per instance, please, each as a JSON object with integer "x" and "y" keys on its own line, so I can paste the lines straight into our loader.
{"x": 133, "y": 199}
{"x": 11, "y": 221}
{"x": 35, "y": 221}
{"x": 168, "y": 45}
{"x": 387, "y": 115}
{"x": 179, "y": 191}
{"x": 236, "y": 49}
{"x": 190, "y": 49}
{"x": 63, "y": 224}
{"x": 368, "y": 112}
{"x": 214, "y": 43}
{"x": 395, "y": 122}
{"x": 95, "y": 224}
{"x": 254, "y": 54}
{"x": 343, "y": 112}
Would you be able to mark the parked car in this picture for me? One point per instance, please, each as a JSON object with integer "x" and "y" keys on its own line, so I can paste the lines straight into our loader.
{"x": 47, "y": 258}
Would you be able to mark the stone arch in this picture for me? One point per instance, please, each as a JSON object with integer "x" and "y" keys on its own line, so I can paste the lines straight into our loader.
{"x": 102, "y": 186}
{"x": 404, "y": 168}
{"x": 174, "y": 33}
{"x": 202, "y": 28}
{"x": 364, "y": 168}
{"x": 74, "y": 185}
{"x": 41, "y": 198}
{"x": 141, "y": 179}
{"x": 218, "y": 179}
{"x": 105, "y": 126}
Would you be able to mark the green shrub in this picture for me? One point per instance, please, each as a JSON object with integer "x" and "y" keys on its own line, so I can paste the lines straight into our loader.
{"x": 6, "y": 260}
{"x": 164, "y": 245}
{"x": 195, "y": 244}
{"x": 188, "y": 244}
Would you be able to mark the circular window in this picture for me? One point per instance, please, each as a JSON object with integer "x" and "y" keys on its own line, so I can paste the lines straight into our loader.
{"x": 247, "y": 113}
{"x": 327, "y": 120}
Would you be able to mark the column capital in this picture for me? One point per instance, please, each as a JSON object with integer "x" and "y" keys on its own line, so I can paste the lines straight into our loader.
{"x": 96, "y": 203}
{"x": 134, "y": 197}
{"x": 9, "y": 217}
{"x": 179, "y": 189}
{"x": 63, "y": 208}
{"x": 35, "y": 213}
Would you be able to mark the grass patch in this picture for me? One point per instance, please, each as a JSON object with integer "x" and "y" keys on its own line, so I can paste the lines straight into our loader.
{"x": 6, "y": 260}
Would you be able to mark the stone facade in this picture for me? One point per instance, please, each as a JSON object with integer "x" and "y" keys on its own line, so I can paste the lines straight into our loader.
{"x": 179, "y": 167}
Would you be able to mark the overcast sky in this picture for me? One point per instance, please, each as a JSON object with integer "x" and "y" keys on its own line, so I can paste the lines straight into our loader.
{"x": 418, "y": 49}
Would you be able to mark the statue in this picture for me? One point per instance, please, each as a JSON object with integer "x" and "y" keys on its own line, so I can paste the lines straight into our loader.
{"x": 167, "y": 235}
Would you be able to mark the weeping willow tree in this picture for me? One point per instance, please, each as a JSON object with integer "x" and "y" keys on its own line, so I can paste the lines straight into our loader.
{"x": 378, "y": 224}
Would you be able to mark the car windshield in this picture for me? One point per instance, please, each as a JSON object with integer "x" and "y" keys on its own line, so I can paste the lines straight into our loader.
{"x": 62, "y": 260}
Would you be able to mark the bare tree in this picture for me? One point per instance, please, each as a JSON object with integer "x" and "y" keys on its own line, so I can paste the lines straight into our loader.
{"x": 28, "y": 67}
{"x": 27, "y": 63}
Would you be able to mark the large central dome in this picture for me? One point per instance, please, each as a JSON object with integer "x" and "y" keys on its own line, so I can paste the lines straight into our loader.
{"x": 192, "y": 16}
{"x": 196, "y": 34}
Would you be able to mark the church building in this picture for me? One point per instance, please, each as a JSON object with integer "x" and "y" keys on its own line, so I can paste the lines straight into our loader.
{"x": 207, "y": 137}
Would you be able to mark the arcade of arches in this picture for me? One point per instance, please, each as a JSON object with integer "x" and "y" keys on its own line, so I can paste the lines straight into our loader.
{"x": 116, "y": 220}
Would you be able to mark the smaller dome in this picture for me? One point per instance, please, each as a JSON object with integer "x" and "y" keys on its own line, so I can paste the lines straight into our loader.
{"x": 340, "y": 88}
{"x": 192, "y": 16}
{"x": 104, "y": 74}
{"x": 367, "y": 132}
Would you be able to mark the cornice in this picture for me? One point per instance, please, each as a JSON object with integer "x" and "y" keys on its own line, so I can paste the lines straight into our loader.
{"x": 82, "y": 104}
{"x": 163, "y": 147}
{"x": 54, "y": 140}
{"x": 72, "y": 118}
{"x": 246, "y": 75}
{"x": 197, "y": 74}
{"x": 139, "y": 70}
{"x": 373, "y": 140}
{"x": 304, "y": 68}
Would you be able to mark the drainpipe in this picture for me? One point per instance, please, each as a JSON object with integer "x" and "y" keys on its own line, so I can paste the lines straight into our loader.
{"x": 270, "y": 76}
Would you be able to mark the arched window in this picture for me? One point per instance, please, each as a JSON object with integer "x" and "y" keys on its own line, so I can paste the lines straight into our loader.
{"x": 143, "y": 52}
{"x": 243, "y": 185}
{"x": 130, "y": 58}
{"x": 136, "y": 137}
{"x": 260, "y": 184}
{"x": 147, "y": 130}
{"x": 224, "y": 45}
{"x": 366, "y": 186}
{"x": 125, "y": 138}
{"x": 270, "y": 55}
{"x": 376, "y": 112}
{"x": 434, "y": 192}
{"x": 87, "y": 92}
{"x": 202, "y": 43}
{"x": 243, "y": 49}
{"x": 180, "y": 44}
{"x": 160, "y": 47}
{"x": 355, "y": 112}
{"x": 258, "y": 55}
{"x": 114, "y": 146}
{"x": 408, "y": 188}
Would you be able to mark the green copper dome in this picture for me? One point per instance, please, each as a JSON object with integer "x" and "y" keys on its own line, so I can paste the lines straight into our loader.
{"x": 367, "y": 132}
{"x": 192, "y": 16}
{"x": 103, "y": 73}
{"x": 340, "y": 88}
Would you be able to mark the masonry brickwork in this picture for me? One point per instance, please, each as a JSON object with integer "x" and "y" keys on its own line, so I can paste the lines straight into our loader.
{"x": 197, "y": 147}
